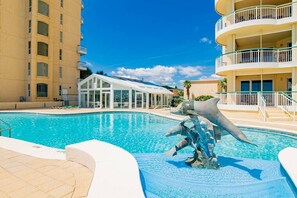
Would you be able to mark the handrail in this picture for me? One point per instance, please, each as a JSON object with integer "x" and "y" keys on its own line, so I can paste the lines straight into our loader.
{"x": 254, "y": 92}
{"x": 262, "y": 105}
{"x": 8, "y": 129}
{"x": 259, "y": 55}
{"x": 286, "y": 102}
{"x": 255, "y": 13}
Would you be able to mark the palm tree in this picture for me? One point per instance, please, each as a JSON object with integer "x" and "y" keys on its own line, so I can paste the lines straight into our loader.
{"x": 187, "y": 85}
{"x": 223, "y": 84}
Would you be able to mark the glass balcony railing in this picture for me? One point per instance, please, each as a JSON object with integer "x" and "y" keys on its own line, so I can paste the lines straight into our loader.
{"x": 81, "y": 65}
{"x": 82, "y": 5}
{"x": 81, "y": 50}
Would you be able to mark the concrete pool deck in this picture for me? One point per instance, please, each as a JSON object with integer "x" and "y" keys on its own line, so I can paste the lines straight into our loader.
{"x": 26, "y": 176}
{"x": 289, "y": 126}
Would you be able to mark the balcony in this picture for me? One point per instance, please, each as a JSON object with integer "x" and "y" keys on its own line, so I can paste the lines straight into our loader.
{"x": 81, "y": 50}
{"x": 251, "y": 58}
{"x": 82, "y": 65}
{"x": 82, "y": 5}
{"x": 81, "y": 36}
{"x": 257, "y": 13}
{"x": 82, "y": 20}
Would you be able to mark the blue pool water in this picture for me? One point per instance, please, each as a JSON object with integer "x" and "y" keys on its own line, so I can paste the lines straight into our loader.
{"x": 162, "y": 176}
{"x": 134, "y": 132}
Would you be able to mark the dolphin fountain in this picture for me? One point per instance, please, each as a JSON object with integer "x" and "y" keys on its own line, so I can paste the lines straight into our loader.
{"x": 202, "y": 135}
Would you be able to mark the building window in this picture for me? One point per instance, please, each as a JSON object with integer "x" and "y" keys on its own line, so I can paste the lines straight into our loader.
{"x": 42, "y": 49}
{"x": 29, "y": 69}
{"x": 60, "y": 54}
{"x": 61, "y": 19}
{"x": 42, "y": 69}
{"x": 30, "y": 25}
{"x": 61, "y": 37}
{"x": 43, "y": 8}
{"x": 29, "y": 47}
{"x": 29, "y": 90}
{"x": 60, "y": 90}
{"x": 30, "y": 5}
{"x": 62, "y": 3}
{"x": 41, "y": 90}
{"x": 42, "y": 28}
{"x": 60, "y": 72}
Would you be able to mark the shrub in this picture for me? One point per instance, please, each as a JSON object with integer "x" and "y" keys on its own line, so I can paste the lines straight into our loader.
{"x": 176, "y": 101}
{"x": 203, "y": 98}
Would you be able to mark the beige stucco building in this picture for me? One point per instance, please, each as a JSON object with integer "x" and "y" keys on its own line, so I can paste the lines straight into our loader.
{"x": 259, "y": 54}
{"x": 39, "y": 49}
{"x": 259, "y": 39}
{"x": 203, "y": 87}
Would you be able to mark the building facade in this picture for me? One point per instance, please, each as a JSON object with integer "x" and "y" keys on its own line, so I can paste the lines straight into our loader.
{"x": 39, "y": 49}
{"x": 259, "y": 48}
{"x": 203, "y": 87}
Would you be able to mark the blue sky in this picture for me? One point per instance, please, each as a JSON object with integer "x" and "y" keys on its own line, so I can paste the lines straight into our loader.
{"x": 162, "y": 41}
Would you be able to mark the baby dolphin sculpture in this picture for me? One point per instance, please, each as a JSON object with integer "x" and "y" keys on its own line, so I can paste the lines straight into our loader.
{"x": 209, "y": 110}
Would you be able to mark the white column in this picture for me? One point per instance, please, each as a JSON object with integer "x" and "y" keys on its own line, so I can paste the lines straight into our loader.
{"x": 142, "y": 101}
{"x": 79, "y": 97}
{"x": 88, "y": 96}
{"x": 130, "y": 98}
{"x": 100, "y": 98}
{"x": 111, "y": 96}
{"x": 162, "y": 100}
{"x": 294, "y": 83}
{"x": 155, "y": 100}
{"x": 94, "y": 98}
{"x": 147, "y": 100}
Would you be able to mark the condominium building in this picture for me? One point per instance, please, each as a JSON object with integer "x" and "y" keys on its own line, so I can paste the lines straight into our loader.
{"x": 259, "y": 54}
{"x": 39, "y": 49}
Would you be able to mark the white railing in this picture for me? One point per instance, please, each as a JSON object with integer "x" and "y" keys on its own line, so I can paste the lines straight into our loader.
{"x": 261, "y": 55}
{"x": 7, "y": 127}
{"x": 287, "y": 104}
{"x": 238, "y": 98}
{"x": 262, "y": 105}
{"x": 255, "y": 13}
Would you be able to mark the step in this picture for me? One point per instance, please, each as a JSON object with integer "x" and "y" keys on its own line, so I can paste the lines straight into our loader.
{"x": 279, "y": 118}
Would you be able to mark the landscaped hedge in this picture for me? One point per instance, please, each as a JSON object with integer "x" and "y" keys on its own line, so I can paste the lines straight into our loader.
{"x": 203, "y": 98}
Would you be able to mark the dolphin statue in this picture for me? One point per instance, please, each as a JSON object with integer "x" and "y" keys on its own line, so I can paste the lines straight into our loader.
{"x": 209, "y": 110}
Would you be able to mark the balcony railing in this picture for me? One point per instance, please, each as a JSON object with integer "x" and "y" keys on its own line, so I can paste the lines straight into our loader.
{"x": 263, "y": 55}
{"x": 255, "y": 13}
{"x": 81, "y": 36}
{"x": 81, "y": 50}
{"x": 82, "y": 20}
{"x": 82, "y": 5}
{"x": 82, "y": 65}
{"x": 272, "y": 98}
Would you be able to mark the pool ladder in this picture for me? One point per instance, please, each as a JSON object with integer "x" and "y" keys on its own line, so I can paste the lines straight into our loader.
{"x": 6, "y": 129}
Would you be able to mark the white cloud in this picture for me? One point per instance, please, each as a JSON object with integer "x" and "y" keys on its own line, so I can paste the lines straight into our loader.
{"x": 158, "y": 74}
{"x": 205, "y": 40}
{"x": 190, "y": 71}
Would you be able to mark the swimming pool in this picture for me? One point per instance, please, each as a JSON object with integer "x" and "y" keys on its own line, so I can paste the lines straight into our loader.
{"x": 134, "y": 132}
{"x": 143, "y": 135}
